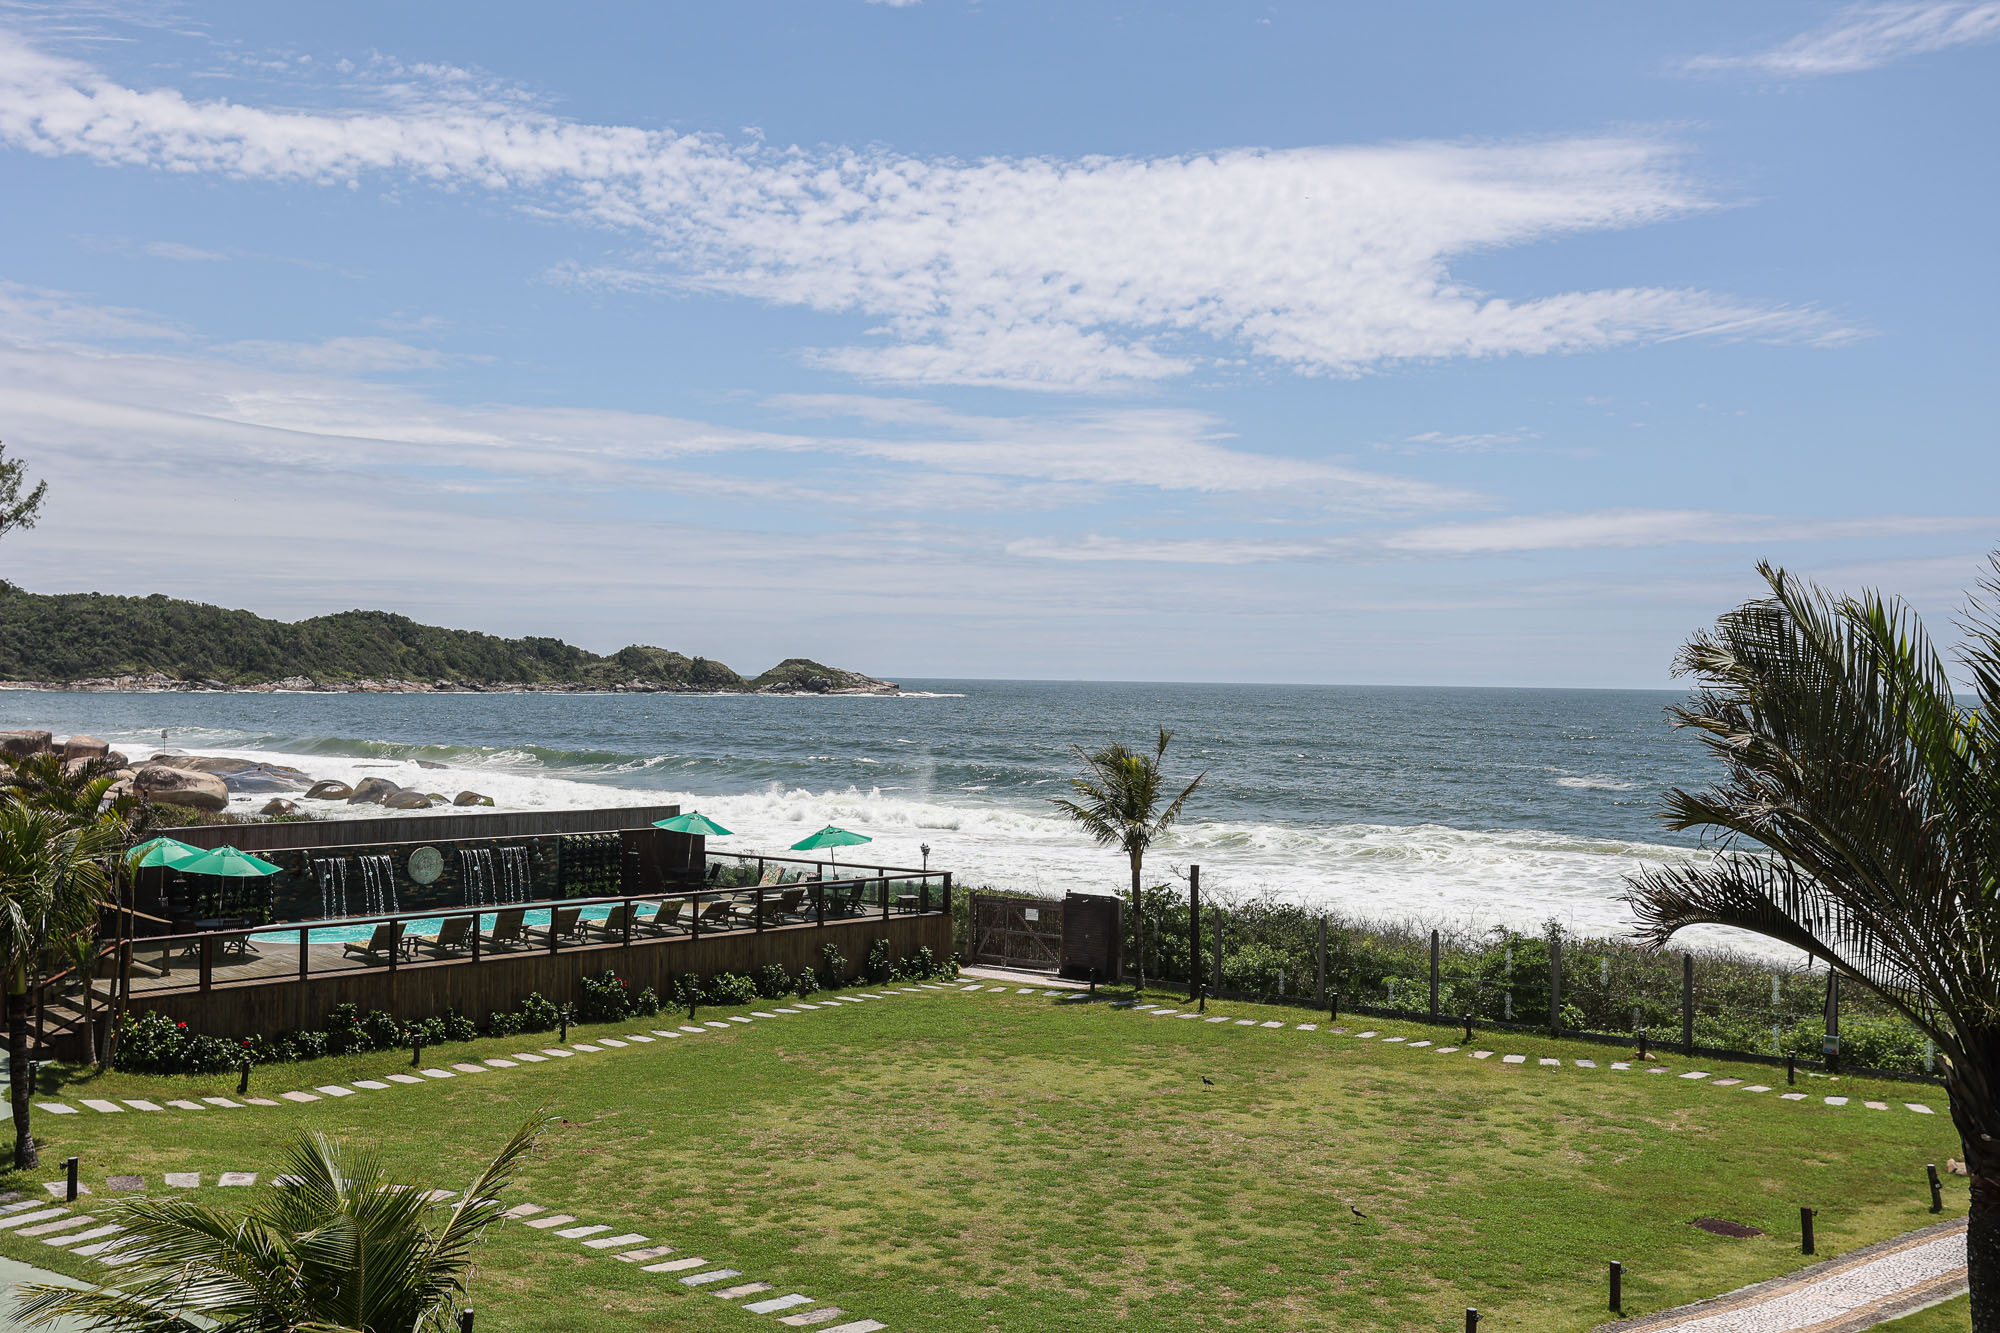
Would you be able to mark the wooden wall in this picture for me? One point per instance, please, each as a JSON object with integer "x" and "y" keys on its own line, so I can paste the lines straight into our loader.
{"x": 502, "y": 981}
{"x": 332, "y": 833}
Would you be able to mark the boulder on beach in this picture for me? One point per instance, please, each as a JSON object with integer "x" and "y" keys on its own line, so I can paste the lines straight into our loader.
{"x": 329, "y": 790}
{"x": 407, "y": 799}
{"x": 278, "y": 805}
{"x": 21, "y": 744}
{"x": 181, "y": 786}
{"x": 373, "y": 791}
{"x": 85, "y": 747}
{"x": 471, "y": 798}
{"x": 266, "y": 777}
{"x": 431, "y": 763}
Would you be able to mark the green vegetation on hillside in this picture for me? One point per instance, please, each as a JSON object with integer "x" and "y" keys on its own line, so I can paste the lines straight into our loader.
{"x": 86, "y": 636}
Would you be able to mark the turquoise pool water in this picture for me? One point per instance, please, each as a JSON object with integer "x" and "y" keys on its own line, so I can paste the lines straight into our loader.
{"x": 427, "y": 925}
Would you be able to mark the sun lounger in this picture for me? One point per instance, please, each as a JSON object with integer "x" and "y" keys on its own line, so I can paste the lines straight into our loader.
{"x": 509, "y": 929}
{"x": 665, "y": 918}
{"x": 612, "y": 927}
{"x": 566, "y": 925}
{"x": 787, "y": 903}
{"x": 717, "y": 913}
{"x": 453, "y": 937}
{"x": 381, "y": 943}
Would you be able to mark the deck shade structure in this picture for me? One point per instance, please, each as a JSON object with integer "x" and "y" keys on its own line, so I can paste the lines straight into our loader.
{"x": 700, "y": 825}
{"x": 227, "y": 861}
{"x": 829, "y": 838}
{"x": 170, "y": 853}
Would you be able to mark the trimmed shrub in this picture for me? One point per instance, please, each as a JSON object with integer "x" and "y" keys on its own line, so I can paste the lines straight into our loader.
{"x": 807, "y": 984}
{"x": 832, "y": 967}
{"x": 773, "y": 982}
{"x": 728, "y": 988}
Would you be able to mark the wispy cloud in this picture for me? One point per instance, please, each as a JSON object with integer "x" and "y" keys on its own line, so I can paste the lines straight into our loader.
{"x": 1071, "y": 274}
{"x": 1865, "y": 36}
{"x": 186, "y": 254}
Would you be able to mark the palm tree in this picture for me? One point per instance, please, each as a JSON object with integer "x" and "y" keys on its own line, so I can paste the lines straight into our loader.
{"x": 335, "y": 1246}
{"x": 1858, "y": 819}
{"x": 1117, "y": 802}
{"x": 52, "y": 886}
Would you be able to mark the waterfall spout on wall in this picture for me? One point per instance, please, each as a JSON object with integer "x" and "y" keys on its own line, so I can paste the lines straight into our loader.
{"x": 477, "y": 863}
{"x": 331, "y": 872}
{"x": 514, "y": 875}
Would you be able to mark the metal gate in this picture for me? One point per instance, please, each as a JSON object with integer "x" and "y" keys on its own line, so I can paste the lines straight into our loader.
{"x": 1017, "y": 932}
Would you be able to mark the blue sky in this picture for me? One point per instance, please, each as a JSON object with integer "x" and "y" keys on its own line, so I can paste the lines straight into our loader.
{"x": 1455, "y": 344}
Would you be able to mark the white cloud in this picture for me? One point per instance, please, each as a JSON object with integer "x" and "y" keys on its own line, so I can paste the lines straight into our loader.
{"x": 1038, "y": 272}
{"x": 1864, "y": 36}
{"x": 186, "y": 254}
{"x": 1613, "y": 528}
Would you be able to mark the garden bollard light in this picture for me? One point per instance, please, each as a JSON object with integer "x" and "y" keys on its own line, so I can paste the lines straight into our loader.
{"x": 563, "y": 1019}
{"x": 1791, "y": 1066}
{"x": 243, "y": 1078}
{"x": 416, "y": 1049}
{"x": 1332, "y": 1005}
{"x": 1617, "y": 1287}
{"x": 465, "y": 1321}
{"x": 69, "y": 1175}
{"x": 1467, "y": 1020}
{"x": 1471, "y": 1320}
{"x": 1937, "y": 1188}
{"x": 1806, "y": 1216}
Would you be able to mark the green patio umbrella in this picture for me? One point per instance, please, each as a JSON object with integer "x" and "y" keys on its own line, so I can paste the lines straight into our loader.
{"x": 692, "y": 822}
{"x": 227, "y": 861}
{"x": 830, "y": 838}
{"x": 170, "y": 852}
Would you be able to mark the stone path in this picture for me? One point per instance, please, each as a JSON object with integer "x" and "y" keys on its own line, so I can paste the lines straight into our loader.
{"x": 1856, "y": 1291}
{"x": 635, "y": 1042}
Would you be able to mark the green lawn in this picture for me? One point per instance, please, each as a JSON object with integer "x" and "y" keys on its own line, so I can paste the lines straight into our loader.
{"x": 1003, "y": 1162}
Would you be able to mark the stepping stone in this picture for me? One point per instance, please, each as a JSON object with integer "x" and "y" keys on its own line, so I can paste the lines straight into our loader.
{"x": 711, "y": 1023}
{"x": 498, "y": 1063}
{"x": 777, "y": 1303}
{"x": 630, "y": 1036}
{"x": 612, "y": 1042}
{"x": 606, "y": 1242}
{"x": 1444, "y": 1050}
{"x": 1246, "y": 1022}
{"x": 1836, "y": 1101}
{"x": 585, "y": 1046}
{"x": 1791, "y": 1096}
{"x": 689, "y": 1027}
{"x": 674, "y": 1266}
{"x": 552, "y": 1220}
{"x": 1876, "y": 1106}
{"x": 1270, "y": 1025}
{"x": 578, "y": 1233}
{"x": 258, "y": 1101}
{"x": 741, "y": 1290}
{"x": 437, "y": 1073}
{"x": 759, "y": 1013}
{"x": 1415, "y": 1044}
{"x": 1513, "y": 1059}
{"x": 98, "y": 1104}
{"x": 666, "y": 1034}
{"x": 1026, "y": 990}
{"x": 1621, "y": 1064}
{"x": 288, "y": 1096}
{"x": 1142, "y": 1008}
{"x": 1482, "y": 1055}
{"x": 1695, "y": 1073}
{"x": 641, "y": 1256}
{"x": 13, "y": 1207}
{"x": 182, "y": 1104}
{"x": 1755, "y": 1087}
{"x": 1364, "y": 1036}
{"x": 1390, "y": 1041}
{"x": 1169, "y": 1013}
{"x": 788, "y": 1011}
{"x": 1190, "y": 1015}
{"x": 804, "y": 1005}
{"x": 467, "y": 1067}
{"x": 1919, "y": 1108}
{"x": 1725, "y": 1083}
{"x": 1586, "y": 1064}
{"x": 335, "y": 1090}
{"x": 526, "y": 1058}
{"x": 558, "y": 1052}
{"x": 373, "y": 1085}
{"x": 30, "y": 1218}
{"x": 403, "y": 1078}
{"x": 713, "y": 1275}
{"x": 734, "y": 1018}
{"x": 55, "y": 1108}
{"x": 858, "y": 1326}
{"x": 997, "y": 990}
{"x": 524, "y": 1210}
{"x": 183, "y": 1180}
{"x": 60, "y": 1188}
{"x": 61, "y": 1224}
{"x": 1547, "y": 1063}
{"x": 971, "y": 988}
{"x": 224, "y": 1102}
{"x": 237, "y": 1179}
{"x": 1313, "y": 1027}
{"x": 1215, "y": 1020}
{"x": 439, "y": 1196}
{"x": 125, "y": 1182}
{"x": 100, "y": 1249}
{"x": 1658, "y": 1069}
{"x": 77, "y": 1237}
{"x": 141, "y": 1104}
{"x": 811, "y": 1317}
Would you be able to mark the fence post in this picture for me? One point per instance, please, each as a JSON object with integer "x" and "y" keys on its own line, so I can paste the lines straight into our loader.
{"x": 1555, "y": 985}
{"x": 1194, "y": 932}
{"x": 1434, "y": 976}
{"x": 1687, "y": 1004}
{"x": 947, "y": 893}
{"x": 1830, "y": 1048}
{"x": 1319, "y": 988}
{"x": 1220, "y": 923}
{"x": 208, "y": 961}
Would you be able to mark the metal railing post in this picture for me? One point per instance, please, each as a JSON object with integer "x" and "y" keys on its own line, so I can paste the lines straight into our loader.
{"x": 947, "y": 893}
{"x": 819, "y": 904}
{"x": 207, "y": 961}
{"x": 305, "y": 952}
{"x": 885, "y": 899}
{"x": 757, "y": 909}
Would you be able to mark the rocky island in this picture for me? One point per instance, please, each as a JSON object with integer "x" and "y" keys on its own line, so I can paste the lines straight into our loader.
{"x": 92, "y": 641}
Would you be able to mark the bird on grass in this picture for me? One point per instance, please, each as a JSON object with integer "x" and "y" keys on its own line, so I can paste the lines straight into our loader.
{"x": 1207, "y": 1081}
{"x": 1357, "y": 1212}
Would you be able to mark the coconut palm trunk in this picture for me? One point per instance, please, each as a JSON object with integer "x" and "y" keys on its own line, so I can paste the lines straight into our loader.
{"x": 1858, "y": 820}
{"x": 20, "y": 1086}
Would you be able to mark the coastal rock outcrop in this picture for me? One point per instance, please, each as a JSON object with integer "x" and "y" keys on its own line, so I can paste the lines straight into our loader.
{"x": 431, "y": 763}
{"x": 278, "y": 805}
{"x": 407, "y": 799}
{"x": 373, "y": 791}
{"x": 21, "y": 744}
{"x": 85, "y": 747}
{"x": 181, "y": 786}
{"x": 329, "y": 790}
{"x": 471, "y": 798}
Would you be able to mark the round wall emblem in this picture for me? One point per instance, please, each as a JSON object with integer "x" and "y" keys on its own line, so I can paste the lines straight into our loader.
{"x": 425, "y": 865}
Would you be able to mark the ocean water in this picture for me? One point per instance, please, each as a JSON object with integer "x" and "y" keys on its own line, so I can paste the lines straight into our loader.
{"x": 1449, "y": 806}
